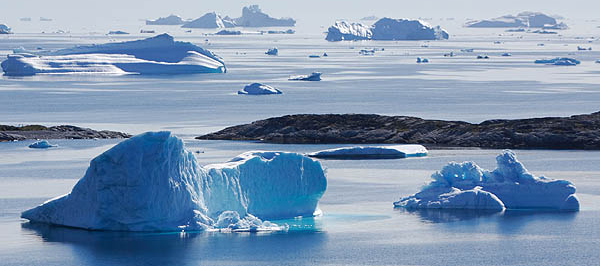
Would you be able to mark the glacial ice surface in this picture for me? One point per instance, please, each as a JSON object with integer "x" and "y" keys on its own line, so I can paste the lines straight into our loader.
{"x": 258, "y": 89}
{"x": 150, "y": 182}
{"x": 372, "y": 152}
{"x": 467, "y": 186}
{"x": 386, "y": 29}
{"x": 155, "y": 55}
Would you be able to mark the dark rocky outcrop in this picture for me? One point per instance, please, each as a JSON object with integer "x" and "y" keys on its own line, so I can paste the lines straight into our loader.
{"x": 575, "y": 132}
{"x": 12, "y": 133}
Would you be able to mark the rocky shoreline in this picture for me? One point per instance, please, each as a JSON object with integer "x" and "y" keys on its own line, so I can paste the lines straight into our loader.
{"x": 13, "y": 133}
{"x": 580, "y": 132}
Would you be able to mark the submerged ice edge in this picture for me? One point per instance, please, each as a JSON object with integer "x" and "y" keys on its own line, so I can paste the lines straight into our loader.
{"x": 151, "y": 183}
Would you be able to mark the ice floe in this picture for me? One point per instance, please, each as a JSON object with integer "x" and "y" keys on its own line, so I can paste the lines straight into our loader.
{"x": 259, "y": 89}
{"x": 315, "y": 76}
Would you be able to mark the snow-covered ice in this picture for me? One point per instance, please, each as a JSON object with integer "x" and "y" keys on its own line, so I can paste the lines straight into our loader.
{"x": 155, "y": 55}
{"x": 150, "y": 182}
{"x": 559, "y": 61}
{"x": 258, "y": 89}
{"x": 170, "y": 20}
{"x": 373, "y": 152}
{"x": 386, "y": 29}
{"x": 467, "y": 186}
{"x": 210, "y": 21}
{"x": 315, "y": 76}
{"x": 42, "y": 144}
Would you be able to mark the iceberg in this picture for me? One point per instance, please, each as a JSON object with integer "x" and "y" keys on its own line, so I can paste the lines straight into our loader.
{"x": 117, "y": 32}
{"x": 210, "y": 21}
{"x": 522, "y": 20}
{"x": 579, "y": 48}
{"x": 170, "y": 20}
{"x": 150, "y": 182}
{"x": 372, "y": 152}
{"x": 272, "y": 51}
{"x": 315, "y": 76}
{"x": 155, "y": 55}
{"x": 559, "y": 61}
{"x": 259, "y": 89}
{"x": 386, "y": 29}
{"x": 467, "y": 186}
{"x": 5, "y": 29}
{"x": 252, "y": 16}
{"x": 42, "y": 144}
{"x": 229, "y": 32}
{"x": 422, "y": 60}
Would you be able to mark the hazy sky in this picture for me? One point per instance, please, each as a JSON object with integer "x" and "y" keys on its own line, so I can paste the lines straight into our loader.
{"x": 306, "y": 11}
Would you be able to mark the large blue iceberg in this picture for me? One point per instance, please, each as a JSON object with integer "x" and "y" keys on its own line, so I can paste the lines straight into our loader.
{"x": 386, "y": 29}
{"x": 151, "y": 183}
{"x": 510, "y": 185}
{"x": 156, "y": 55}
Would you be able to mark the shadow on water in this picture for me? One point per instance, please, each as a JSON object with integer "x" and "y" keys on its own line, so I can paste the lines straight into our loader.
{"x": 448, "y": 216}
{"x": 507, "y": 217}
{"x": 93, "y": 247}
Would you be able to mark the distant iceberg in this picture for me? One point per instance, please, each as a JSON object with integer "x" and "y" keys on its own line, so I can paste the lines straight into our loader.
{"x": 258, "y": 89}
{"x": 559, "y": 61}
{"x": 42, "y": 144}
{"x": 151, "y": 183}
{"x": 156, "y": 55}
{"x": 510, "y": 185}
{"x": 117, "y": 32}
{"x": 272, "y": 51}
{"x": 170, "y": 20}
{"x": 372, "y": 152}
{"x": 386, "y": 29}
{"x": 5, "y": 29}
{"x": 210, "y": 21}
{"x": 229, "y": 32}
{"x": 252, "y": 16}
{"x": 522, "y": 20}
{"x": 315, "y": 76}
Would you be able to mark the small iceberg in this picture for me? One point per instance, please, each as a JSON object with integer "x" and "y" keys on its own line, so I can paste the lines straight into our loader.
{"x": 483, "y": 57}
{"x": 372, "y": 152}
{"x": 258, "y": 89}
{"x": 229, "y": 32}
{"x": 579, "y": 48}
{"x": 5, "y": 29}
{"x": 367, "y": 52}
{"x": 117, "y": 32}
{"x": 272, "y": 51}
{"x": 422, "y": 60}
{"x": 151, "y": 56}
{"x": 314, "y": 56}
{"x": 559, "y": 61}
{"x": 315, "y": 76}
{"x": 506, "y": 54}
{"x": 150, "y": 182}
{"x": 42, "y": 144}
{"x": 598, "y": 61}
{"x": 510, "y": 186}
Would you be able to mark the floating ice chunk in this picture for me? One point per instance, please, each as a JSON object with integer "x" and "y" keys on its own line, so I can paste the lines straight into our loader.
{"x": 452, "y": 198}
{"x": 42, "y": 144}
{"x": 386, "y": 29}
{"x": 315, "y": 76}
{"x": 151, "y": 183}
{"x": 422, "y": 60}
{"x": 559, "y": 61}
{"x": 229, "y": 32}
{"x": 579, "y": 48}
{"x": 170, "y": 20}
{"x": 510, "y": 183}
{"x": 314, "y": 56}
{"x": 259, "y": 89}
{"x": 367, "y": 52}
{"x": 483, "y": 57}
{"x": 117, "y": 32}
{"x": 343, "y": 30}
{"x": 272, "y": 51}
{"x": 506, "y": 54}
{"x": 598, "y": 61}
{"x": 156, "y": 55}
{"x": 372, "y": 152}
{"x": 252, "y": 16}
{"x": 469, "y": 50}
{"x": 5, "y": 29}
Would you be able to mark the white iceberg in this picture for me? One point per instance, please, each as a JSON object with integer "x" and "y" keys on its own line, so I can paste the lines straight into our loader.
{"x": 156, "y": 55}
{"x": 315, "y": 76}
{"x": 467, "y": 186}
{"x": 42, "y": 144}
{"x": 252, "y": 16}
{"x": 258, "y": 89}
{"x": 386, "y": 29}
{"x": 522, "y": 20}
{"x": 170, "y": 20}
{"x": 151, "y": 183}
{"x": 210, "y": 21}
{"x": 372, "y": 152}
{"x": 5, "y": 29}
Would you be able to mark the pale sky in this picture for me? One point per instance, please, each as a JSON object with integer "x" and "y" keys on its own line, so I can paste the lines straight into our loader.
{"x": 313, "y": 12}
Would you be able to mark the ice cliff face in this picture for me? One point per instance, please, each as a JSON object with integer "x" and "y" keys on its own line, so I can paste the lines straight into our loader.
{"x": 210, "y": 21}
{"x": 155, "y": 55}
{"x": 386, "y": 29}
{"x": 510, "y": 185}
{"x": 151, "y": 183}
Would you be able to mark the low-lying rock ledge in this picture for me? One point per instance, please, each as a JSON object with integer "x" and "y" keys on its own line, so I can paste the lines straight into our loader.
{"x": 575, "y": 132}
{"x": 16, "y": 133}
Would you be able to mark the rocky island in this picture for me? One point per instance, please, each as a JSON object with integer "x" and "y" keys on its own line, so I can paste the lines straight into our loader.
{"x": 13, "y": 133}
{"x": 575, "y": 132}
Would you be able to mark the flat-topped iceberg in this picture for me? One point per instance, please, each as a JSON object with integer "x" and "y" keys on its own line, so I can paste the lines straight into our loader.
{"x": 210, "y": 21}
{"x": 372, "y": 152}
{"x": 258, "y": 89}
{"x": 315, "y": 76}
{"x": 156, "y": 55}
{"x": 152, "y": 183}
{"x": 386, "y": 29}
{"x": 42, "y": 144}
{"x": 510, "y": 185}
{"x": 170, "y": 20}
{"x": 523, "y": 19}
{"x": 252, "y": 16}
